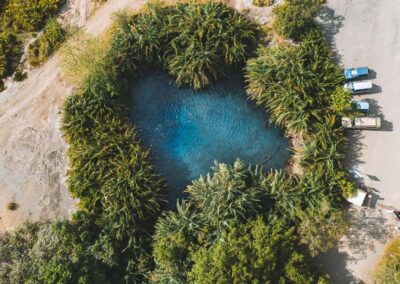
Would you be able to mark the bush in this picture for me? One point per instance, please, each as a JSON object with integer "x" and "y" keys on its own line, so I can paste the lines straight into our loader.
{"x": 81, "y": 55}
{"x": 20, "y": 76}
{"x": 10, "y": 52}
{"x": 294, "y": 18}
{"x": 262, "y": 3}
{"x": 17, "y": 18}
{"x": 254, "y": 252}
{"x": 196, "y": 43}
{"x": 294, "y": 83}
{"x": 59, "y": 252}
{"x": 12, "y": 206}
{"x": 43, "y": 47}
{"x": 30, "y": 15}
{"x": 388, "y": 269}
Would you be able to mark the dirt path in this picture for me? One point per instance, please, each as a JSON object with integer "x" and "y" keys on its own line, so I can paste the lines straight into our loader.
{"x": 33, "y": 159}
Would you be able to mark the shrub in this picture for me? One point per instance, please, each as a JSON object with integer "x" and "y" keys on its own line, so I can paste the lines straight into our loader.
{"x": 254, "y": 252}
{"x": 17, "y": 18}
{"x": 59, "y": 252}
{"x": 262, "y": 3}
{"x": 30, "y": 15}
{"x": 43, "y": 47}
{"x": 196, "y": 43}
{"x": 294, "y": 18}
{"x": 10, "y": 52}
{"x": 82, "y": 55}
{"x": 388, "y": 269}
{"x": 294, "y": 83}
{"x": 12, "y": 206}
{"x": 323, "y": 218}
{"x": 20, "y": 76}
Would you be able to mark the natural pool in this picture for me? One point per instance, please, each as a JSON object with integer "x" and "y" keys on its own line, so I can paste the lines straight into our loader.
{"x": 188, "y": 131}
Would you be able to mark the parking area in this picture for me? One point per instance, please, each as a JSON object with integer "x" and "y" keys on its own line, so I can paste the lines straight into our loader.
{"x": 367, "y": 33}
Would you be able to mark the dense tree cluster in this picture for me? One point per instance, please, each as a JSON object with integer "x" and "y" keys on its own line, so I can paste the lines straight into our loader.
{"x": 234, "y": 227}
{"x": 195, "y": 43}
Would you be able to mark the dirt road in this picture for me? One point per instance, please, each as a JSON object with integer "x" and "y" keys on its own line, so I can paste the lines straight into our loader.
{"x": 33, "y": 159}
{"x": 367, "y": 33}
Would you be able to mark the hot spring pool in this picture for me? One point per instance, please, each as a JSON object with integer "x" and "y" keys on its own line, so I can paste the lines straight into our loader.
{"x": 187, "y": 131}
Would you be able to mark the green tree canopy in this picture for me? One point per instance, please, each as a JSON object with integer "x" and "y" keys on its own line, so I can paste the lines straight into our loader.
{"x": 254, "y": 252}
{"x": 294, "y": 18}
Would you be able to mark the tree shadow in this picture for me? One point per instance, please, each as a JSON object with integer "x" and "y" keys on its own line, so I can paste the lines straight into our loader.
{"x": 366, "y": 227}
{"x": 331, "y": 24}
{"x": 354, "y": 148}
{"x": 334, "y": 263}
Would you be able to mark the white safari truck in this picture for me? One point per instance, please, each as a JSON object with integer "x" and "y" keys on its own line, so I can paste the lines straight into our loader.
{"x": 358, "y": 87}
{"x": 359, "y": 198}
{"x": 366, "y": 122}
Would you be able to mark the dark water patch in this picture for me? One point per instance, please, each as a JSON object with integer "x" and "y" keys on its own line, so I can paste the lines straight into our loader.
{"x": 188, "y": 131}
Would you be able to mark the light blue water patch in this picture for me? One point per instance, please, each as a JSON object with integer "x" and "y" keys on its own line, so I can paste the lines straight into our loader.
{"x": 187, "y": 131}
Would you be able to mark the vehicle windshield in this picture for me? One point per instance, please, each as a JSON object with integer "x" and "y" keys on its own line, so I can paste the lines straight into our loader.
{"x": 353, "y": 72}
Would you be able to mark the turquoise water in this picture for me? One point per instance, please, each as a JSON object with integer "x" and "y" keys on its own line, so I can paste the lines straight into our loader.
{"x": 188, "y": 131}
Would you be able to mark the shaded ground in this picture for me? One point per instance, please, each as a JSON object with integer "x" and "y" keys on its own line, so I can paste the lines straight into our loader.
{"x": 354, "y": 258}
{"x": 366, "y": 33}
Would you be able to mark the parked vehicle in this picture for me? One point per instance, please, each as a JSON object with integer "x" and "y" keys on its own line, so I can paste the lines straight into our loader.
{"x": 358, "y": 87}
{"x": 359, "y": 198}
{"x": 354, "y": 73}
{"x": 362, "y": 106}
{"x": 361, "y": 122}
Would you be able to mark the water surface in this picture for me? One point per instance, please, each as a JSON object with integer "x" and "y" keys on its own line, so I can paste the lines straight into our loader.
{"x": 187, "y": 131}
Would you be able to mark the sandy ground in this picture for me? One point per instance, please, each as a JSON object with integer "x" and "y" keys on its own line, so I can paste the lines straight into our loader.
{"x": 366, "y": 33}
{"x": 33, "y": 159}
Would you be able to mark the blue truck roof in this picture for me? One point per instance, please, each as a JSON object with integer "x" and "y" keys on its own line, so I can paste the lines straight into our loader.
{"x": 353, "y": 73}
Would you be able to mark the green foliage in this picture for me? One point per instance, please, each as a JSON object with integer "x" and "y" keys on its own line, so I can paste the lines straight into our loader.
{"x": 388, "y": 269}
{"x": 294, "y": 18}
{"x": 252, "y": 253}
{"x": 262, "y": 3}
{"x": 43, "y": 47}
{"x": 81, "y": 55}
{"x": 50, "y": 253}
{"x": 210, "y": 239}
{"x": 17, "y": 17}
{"x": 341, "y": 101}
{"x": 294, "y": 83}
{"x": 30, "y": 15}
{"x": 196, "y": 43}
{"x": 231, "y": 193}
{"x": 10, "y": 51}
{"x": 300, "y": 86}
{"x": 323, "y": 218}
{"x": 20, "y": 75}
